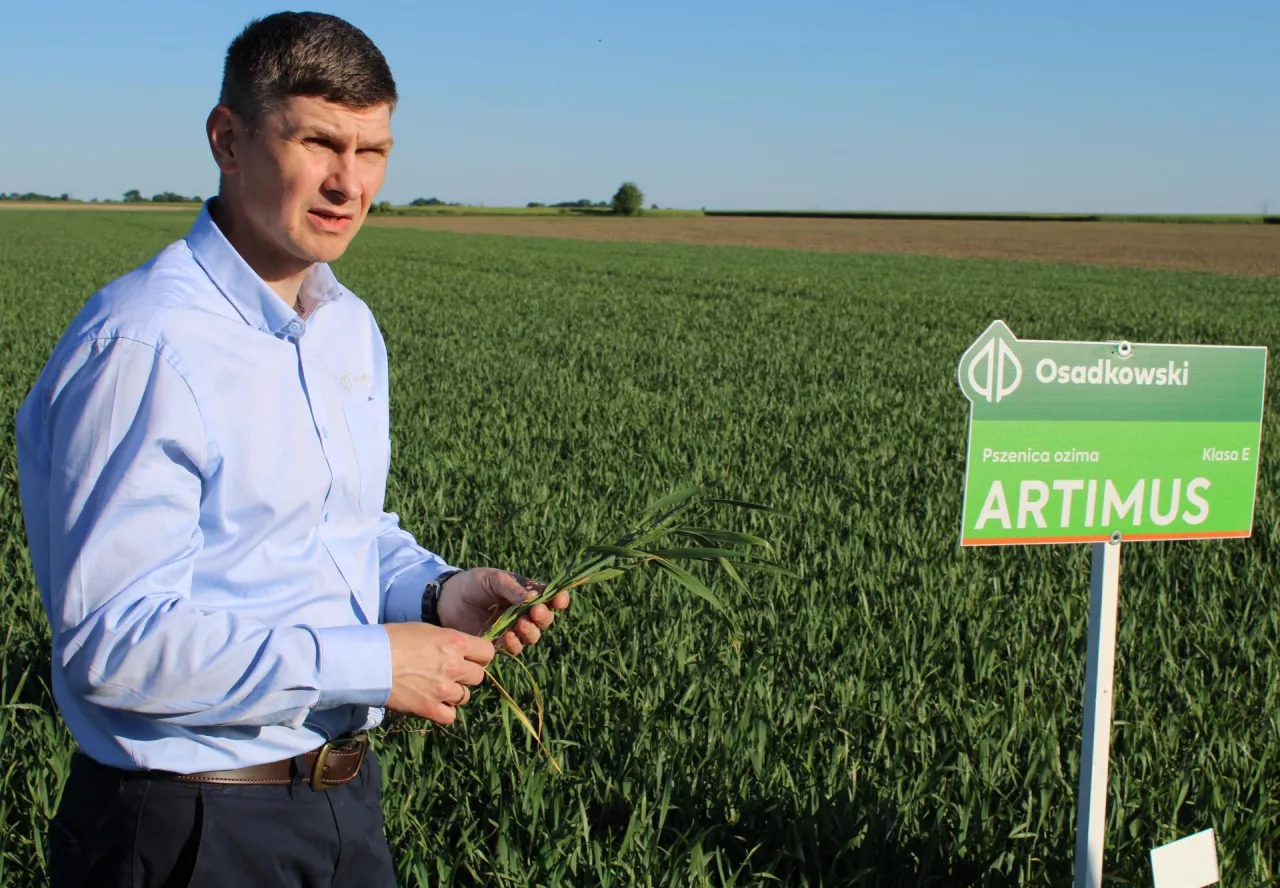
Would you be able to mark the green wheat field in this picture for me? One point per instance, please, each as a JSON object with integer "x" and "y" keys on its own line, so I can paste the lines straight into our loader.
{"x": 905, "y": 713}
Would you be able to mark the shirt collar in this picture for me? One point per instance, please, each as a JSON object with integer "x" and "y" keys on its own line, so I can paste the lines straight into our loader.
{"x": 249, "y": 295}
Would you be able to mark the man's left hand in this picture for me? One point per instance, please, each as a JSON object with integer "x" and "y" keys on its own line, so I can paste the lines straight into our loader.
{"x": 472, "y": 600}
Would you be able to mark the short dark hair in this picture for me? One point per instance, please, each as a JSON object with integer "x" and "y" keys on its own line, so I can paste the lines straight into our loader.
{"x": 303, "y": 54}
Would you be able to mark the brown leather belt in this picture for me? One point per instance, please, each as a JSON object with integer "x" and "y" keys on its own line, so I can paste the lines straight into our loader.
{"x": 335, "y": 763}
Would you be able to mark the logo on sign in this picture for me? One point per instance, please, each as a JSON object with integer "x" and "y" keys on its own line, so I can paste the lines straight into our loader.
{"x": 995, "y": 372}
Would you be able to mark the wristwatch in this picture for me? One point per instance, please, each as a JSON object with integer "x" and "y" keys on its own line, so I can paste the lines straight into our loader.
{"x": 431, "y": 597}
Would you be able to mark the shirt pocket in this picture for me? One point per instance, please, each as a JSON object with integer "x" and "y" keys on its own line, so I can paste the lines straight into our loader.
{"x": 369, "y": 427}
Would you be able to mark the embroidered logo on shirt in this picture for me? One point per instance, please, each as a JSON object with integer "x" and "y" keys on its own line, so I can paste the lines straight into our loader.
{"x": 348, "y": 381}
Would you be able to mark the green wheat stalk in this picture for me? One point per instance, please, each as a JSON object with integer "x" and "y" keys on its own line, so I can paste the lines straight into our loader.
{"x": 679, "y": 529}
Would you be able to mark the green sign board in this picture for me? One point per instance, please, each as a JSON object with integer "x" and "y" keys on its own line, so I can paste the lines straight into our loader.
{"x": 1071, "y": 442}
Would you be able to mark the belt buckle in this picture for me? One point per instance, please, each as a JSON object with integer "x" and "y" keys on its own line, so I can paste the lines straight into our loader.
{"x": 322, "y": 758}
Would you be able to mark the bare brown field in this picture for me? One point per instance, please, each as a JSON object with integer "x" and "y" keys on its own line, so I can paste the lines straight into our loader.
{"x": 1228, "y": 249}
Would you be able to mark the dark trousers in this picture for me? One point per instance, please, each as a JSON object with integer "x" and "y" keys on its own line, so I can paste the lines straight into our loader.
{"x": 117, "y": 830}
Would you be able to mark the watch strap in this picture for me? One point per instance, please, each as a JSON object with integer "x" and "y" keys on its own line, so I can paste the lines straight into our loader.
{"x": 431, "y": 597}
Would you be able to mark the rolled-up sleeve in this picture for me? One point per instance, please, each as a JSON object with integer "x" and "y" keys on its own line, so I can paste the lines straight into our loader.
{"x": 126, "y": 455}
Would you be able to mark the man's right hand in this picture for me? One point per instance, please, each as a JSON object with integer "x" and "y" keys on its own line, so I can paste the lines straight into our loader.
{"x": 431, "y": 669}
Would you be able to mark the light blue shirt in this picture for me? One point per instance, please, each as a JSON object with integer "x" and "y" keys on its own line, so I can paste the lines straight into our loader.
{"x": 202, "y": 476}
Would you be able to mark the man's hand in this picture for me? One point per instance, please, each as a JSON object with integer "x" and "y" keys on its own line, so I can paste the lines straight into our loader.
{"x": 432, "y": 667}
{"x": 472, "y": 600}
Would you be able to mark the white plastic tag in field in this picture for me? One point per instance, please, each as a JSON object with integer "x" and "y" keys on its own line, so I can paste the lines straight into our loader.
{"x": 1187, "y": 863}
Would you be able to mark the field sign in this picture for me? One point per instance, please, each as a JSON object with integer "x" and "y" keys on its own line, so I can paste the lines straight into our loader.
{"x": 1072, "y": 442}
{"x": 1187, "y": 863}
{"x": 1103, "y": 443}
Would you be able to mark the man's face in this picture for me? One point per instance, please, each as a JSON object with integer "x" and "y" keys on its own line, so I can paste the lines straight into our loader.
{"x": 305, "y": 177}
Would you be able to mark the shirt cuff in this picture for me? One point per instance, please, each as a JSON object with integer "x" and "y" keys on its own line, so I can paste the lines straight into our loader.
{"x": 404, "y": 596}
{"x": 355, "y": 666}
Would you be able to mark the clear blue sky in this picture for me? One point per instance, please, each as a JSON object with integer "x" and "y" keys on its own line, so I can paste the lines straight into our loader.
{"x": 1068, "y": 105}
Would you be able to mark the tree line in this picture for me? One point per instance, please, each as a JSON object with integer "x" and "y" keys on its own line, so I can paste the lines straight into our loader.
{"x": 131, "y": 196}
{"x": 628, "y": 200}
{"x": 32, "y": 196}
{"x": 134, "y": 196}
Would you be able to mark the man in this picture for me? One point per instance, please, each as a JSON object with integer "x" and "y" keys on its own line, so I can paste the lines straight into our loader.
{"x": 202, "y": 466}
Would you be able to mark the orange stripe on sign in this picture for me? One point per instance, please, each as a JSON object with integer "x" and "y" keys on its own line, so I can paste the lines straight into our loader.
{"x": 1203, "y": 535}
{"x": 1127, "y": 538}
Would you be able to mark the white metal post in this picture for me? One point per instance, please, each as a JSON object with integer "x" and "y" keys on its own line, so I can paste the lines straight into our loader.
{"x": 1091, "y": 815}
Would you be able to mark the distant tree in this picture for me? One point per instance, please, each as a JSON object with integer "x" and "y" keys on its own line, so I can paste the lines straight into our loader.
{"x": 653, "y": 206}
{"x": 64, "y": 196}
{"x": 426, "y": 202}
{"x": 628, "y": 200}
{"x": 382, "y": 206}
{"x": 170, "y": 197}
{"x": 133, "y": 195}
{"x": 533, "y": 204}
